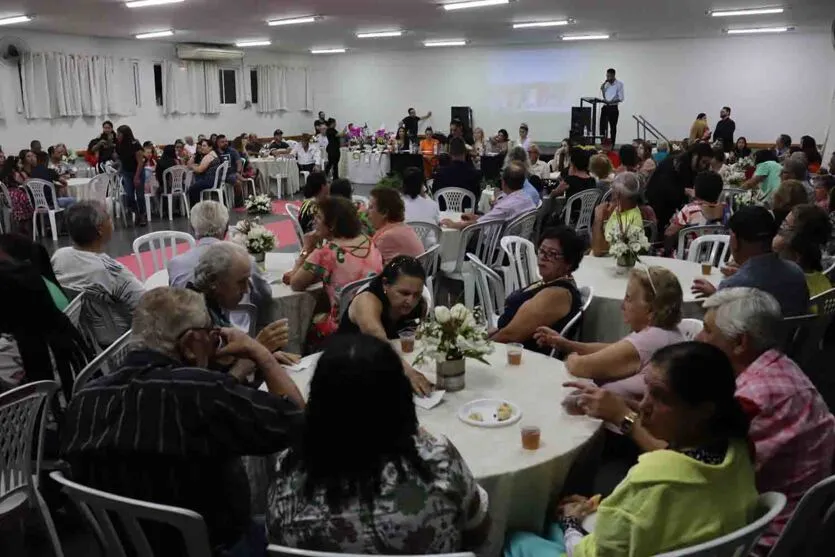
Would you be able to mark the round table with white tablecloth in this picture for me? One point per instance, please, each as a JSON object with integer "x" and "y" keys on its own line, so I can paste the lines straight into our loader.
{"x": 269, "y": 167}
{"x": 603, "y": 322}
{"x": 520, "y": 483}
{"x": 77, "y": 188}
{"x": 297, "y": 307}
{"x": 367, "y": 167}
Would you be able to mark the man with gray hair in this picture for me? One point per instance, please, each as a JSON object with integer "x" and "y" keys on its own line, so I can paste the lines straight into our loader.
{"x": 112, "y": 290}
{"x": 538, "y": 167}
{"x": 796, "y": 168}
{"x": 791, "y": 427}
{"x": 174, "y": 431}
{"x": 209, "y": 222}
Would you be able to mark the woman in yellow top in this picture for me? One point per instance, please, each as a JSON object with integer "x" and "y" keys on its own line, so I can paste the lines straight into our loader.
{"x": 698, "y": 488}
{"x": 622, "y": 210}
{"x": 802, "y": 236}
{"x": 429, "y": 148}
{"x": 700, "y": 131}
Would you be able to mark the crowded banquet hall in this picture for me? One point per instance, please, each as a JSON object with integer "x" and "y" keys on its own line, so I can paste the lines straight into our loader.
{"x": 570, "y": 292}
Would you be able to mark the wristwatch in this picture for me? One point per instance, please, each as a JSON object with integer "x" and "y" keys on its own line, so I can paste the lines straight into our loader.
{"x": 628, "y": 423}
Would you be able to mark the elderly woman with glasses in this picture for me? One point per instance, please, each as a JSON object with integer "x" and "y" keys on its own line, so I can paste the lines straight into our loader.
{"x": 551, "y": 301}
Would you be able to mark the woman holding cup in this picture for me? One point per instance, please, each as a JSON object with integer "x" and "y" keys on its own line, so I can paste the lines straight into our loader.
{"x": 390, "y": 308}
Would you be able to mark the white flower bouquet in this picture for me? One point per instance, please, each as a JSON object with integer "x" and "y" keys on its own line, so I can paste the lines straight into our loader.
{"x": 453, "y": 334}
{"x": 255, "y": 238}
{"x": 626, "y": 242}
{"x": 736, "y": 176}
{"x": 258, "y": 205}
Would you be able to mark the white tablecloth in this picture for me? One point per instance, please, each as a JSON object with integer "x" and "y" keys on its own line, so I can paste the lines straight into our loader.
{"x": 520, "y": 483}
{"x": 271, "y": 166}
{"x": 77, "y": 187}
{"x": 604, "y": 320}
{"x": 485, "y": 200}
{"x": 298, "y": 307}
{"x": 366, "y": 168}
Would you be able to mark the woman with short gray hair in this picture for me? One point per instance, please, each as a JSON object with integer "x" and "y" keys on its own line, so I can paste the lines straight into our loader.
{"x": 622, "y": 211}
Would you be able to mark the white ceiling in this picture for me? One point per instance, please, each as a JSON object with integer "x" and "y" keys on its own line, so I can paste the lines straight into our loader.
{"x": 225, "y": 21}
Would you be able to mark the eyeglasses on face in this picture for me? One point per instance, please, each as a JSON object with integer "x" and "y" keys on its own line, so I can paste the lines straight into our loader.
{"x": 549, "y": 254}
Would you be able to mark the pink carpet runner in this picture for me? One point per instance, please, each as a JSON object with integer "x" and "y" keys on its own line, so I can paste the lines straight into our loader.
{"x": 283, "y": 230}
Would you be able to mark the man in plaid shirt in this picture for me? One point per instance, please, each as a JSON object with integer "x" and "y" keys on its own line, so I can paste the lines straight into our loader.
{"x": 792, "y": 430}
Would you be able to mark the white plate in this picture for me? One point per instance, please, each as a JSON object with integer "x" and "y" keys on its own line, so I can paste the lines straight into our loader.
{"x": 487, "y": 407}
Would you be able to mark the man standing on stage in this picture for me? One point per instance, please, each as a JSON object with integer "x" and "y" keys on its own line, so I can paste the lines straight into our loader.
{"x": 725, "y": 129}
{"x": 410, "y": 122}
{"x": 612, "y": 91}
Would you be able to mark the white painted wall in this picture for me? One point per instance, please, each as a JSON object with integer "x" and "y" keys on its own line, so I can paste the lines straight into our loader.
{"x": 149, "y": 123}
{"x": 775, "y": 84}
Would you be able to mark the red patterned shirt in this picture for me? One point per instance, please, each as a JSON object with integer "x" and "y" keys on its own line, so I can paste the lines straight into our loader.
{"x": 791, "y": 428}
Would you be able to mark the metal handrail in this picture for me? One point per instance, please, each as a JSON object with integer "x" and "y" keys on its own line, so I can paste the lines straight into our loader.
{"x": 643, "y": 123}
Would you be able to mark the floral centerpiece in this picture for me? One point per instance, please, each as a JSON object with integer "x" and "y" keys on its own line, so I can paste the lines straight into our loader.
{"x": 255, "y": 238}
{"x": 258, "y": 205}
{"x": 449, "y": 336}
{"x": 739, "y": 171}
{"x": 626, "y": 242}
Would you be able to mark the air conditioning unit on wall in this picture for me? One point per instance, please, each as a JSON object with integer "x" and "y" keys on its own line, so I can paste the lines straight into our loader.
{"x": 201, "y": 52}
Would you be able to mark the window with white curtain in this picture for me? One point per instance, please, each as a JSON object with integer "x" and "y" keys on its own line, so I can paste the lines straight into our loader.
{"x": 60, "y": 85}
{"x": 228, "y": 86}
{"x": 190, "y": 87}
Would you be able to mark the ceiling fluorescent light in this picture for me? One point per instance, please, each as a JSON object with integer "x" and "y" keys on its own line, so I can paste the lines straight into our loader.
{"x": 155, "y": 34}
{"x": 451, "y": 42}
{"x": 15, "y": 19}
{"x": 379, "y": 34}
{"x": 584, "y": 37}
{"x": 556, "y": 23}
{"x": 327, "y": 51}
{"x": 243, "y": 44}
{"x": 757, "y": 30}
{"x": 293, "y": 21}
{"x": 751, "y": 11}
{"x": 474, "y": 4}
{"x": 146, "y": 3}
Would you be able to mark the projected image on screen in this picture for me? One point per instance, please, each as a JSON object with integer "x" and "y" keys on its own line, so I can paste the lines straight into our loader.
{"x": 530, "y": 81}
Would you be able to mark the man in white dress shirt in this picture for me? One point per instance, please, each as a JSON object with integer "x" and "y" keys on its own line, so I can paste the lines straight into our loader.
{"x": 209, "y": 222}
{"x": 309, "y": 157}
{"x": 612, "y": 91}
{"x": 538, "y": 167}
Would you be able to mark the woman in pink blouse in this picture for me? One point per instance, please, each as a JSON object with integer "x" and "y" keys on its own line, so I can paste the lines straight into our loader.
{"x": 386, "y": 211}
{"x": 345, "y": 255}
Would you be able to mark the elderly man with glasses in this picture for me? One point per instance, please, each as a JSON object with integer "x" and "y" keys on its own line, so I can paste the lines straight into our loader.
{"x": 164, "y": 428}
{"x": 538, "y": 167}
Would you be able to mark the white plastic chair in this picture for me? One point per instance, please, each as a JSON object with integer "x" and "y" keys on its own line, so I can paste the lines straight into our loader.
{"x": 689, "y": 328}
{"x": 98, "y": 507}
{"x": 824, "y": 302}
{"x": 174, "y": 184}
{"x": 454, "y": 199}
{"x": 485, "y": 236}
{"x": 588, "y": 200}
{"x": 21, "y": 439}
{"x": 97, "y": 189}
{"x": 429, "y": 261}
{"x": 304, "y": 174}
{"x": 292, "y": 211}
{"x": 219, "y": 186}
{"x": 75, "y": 313}
{"x": 695, "y": 232}
{"x": 429, "y": 233}
{"x": 710, "y": 248}
{"x": 42, "y": 207}
{"x": 150, "y": 198}
{"x": 274, "y": 550}
{"x": 811, "y": 516}
{"x": 523, "y": 225}
{"x": 157, "y": 246}
{"x": 116, "y": 197}
{"x": 110, "y": 360}
{"x": 522, "y": 271}
{"x": 490, "y": 290}
{"x": 738, "y": 543}
{"x": 348, "y": 292}
{"x": 570, "y": 330}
